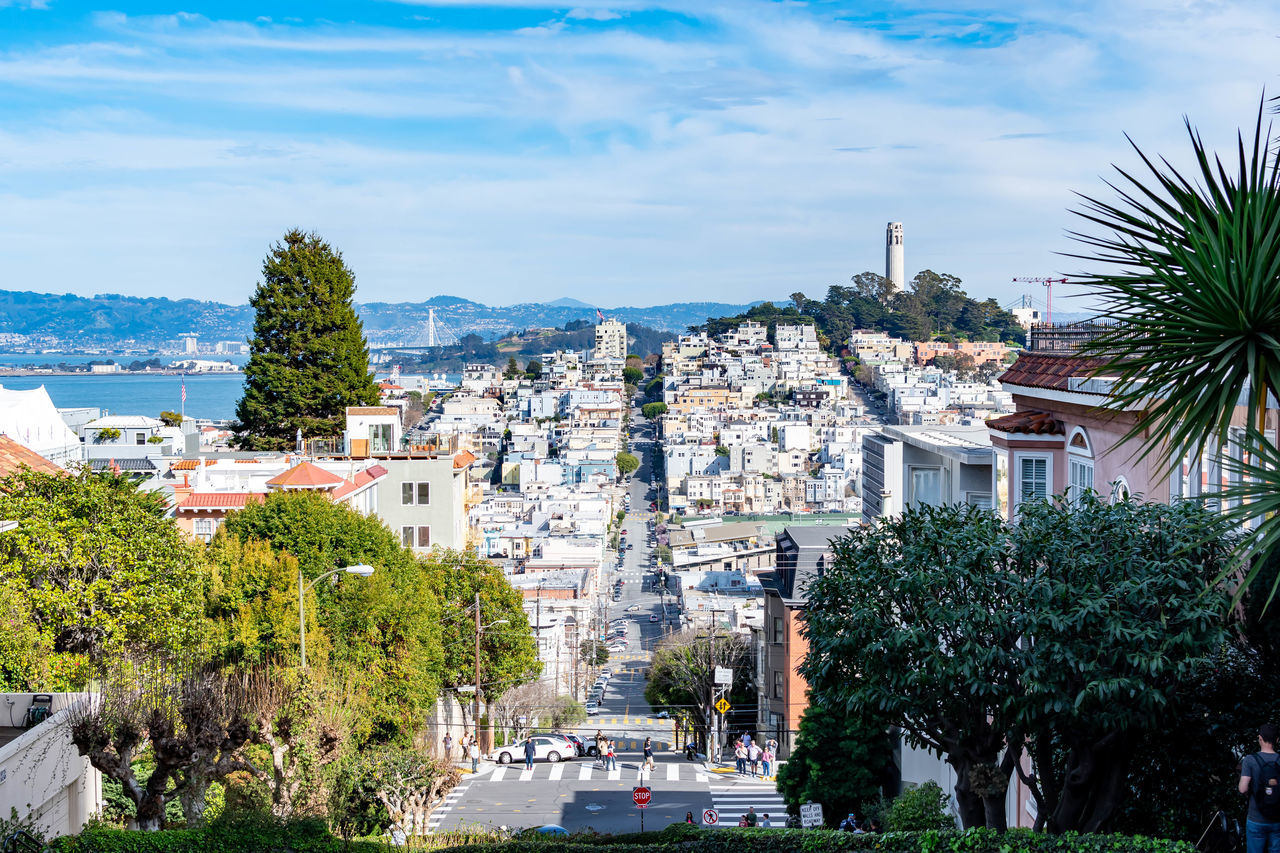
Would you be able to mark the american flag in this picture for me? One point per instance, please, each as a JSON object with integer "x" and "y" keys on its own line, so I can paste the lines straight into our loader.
{"x": 184, "y": 389}
{"x": 600, "y": 314}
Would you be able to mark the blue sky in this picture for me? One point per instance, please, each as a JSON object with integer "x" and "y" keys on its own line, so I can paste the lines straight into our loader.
{"x": 617, "y": 152}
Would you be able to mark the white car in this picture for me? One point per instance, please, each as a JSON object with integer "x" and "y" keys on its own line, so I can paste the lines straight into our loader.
{"x": 618, "y": 647}
{"x": 635, "y": 608}
{"x": 551, "y": 749}
{"x": 593, "y": 708}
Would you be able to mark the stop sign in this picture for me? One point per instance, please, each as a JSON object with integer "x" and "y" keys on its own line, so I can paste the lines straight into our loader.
{"x": 641, "y": 796}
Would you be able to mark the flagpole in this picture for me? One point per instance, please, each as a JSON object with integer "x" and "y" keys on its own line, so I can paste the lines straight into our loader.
{"x": 184, "y": 397}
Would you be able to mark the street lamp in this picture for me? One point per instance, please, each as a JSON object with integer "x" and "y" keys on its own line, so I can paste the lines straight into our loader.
{"x": 361, "y": 570}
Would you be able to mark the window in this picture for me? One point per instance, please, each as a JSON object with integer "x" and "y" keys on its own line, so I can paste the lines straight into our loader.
{"x": 379, "y": 438}
{"x": 1033, "y": 478}
{"x": 777, "y": 629}
{"x": 415, "y": 494}
{"x": 1119, "y": 490}
{"x": 140, "y": 438}
{"x": 406, "y": 536}
{"x": 777, "y": 684}
{"x": 204, "y": 528}
{"x": 415, "y": 537}
{"x": 1081, "y": 479}
{"x": 424, "y": 537}
{"x": 926, "y": 486}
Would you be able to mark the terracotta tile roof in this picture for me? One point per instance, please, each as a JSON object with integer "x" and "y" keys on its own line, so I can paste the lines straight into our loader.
{"x": 1030, "y": 422}
{"x": 219, "y": 500}
{"x": 358, "y": 482}
{"x": 305, "y": 475}
{"x": 463, "y": 459}
{"x": 372, "y": 410}
{"x": 14, "y": 456}
{"x": 1042, "y": 370}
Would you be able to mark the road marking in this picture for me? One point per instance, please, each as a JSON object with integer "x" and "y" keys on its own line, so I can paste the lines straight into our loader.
{"x": 615, "y": 775}
{"x": 498, "y": 773}
{"x": 584, "y": 772}
{"x": 556, "y": 772}
{"x": 673, "y": 772}
{"x": 526, "y": 775}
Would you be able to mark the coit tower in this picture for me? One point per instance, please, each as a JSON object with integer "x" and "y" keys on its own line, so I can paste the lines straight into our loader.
{"x": 894, "y": 258}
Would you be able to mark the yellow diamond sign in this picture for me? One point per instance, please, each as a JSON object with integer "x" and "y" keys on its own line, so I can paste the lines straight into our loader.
{"x": 723, "y": 706}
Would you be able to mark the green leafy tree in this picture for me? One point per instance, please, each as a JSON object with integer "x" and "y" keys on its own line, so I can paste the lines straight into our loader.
{"x": 98, "y": 568}
{"x": 508, "y": 655}
{"x": 840, "y": 760}
{"x": 632, "y": 375}
{"x": 513, "y": 369}
{"x": 653, "y": 410}
{"x": 308, "y": 359}
{"x": 1188, "y": 270}
{"x": 1142, "y": 574}
{"x": 627, "y": 463}
{"x": 383, "y": 632}
{"x": 533, "y": 369}
{"x": 681, "y": 677}
{"x": 913, "y": 621}
{"x": 594, "y": 652}
{"x": 170, "y": 418}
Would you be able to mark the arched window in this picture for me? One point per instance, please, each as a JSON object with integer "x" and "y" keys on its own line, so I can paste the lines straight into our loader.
{"x": 1119, "y": 489}
{"x": 1079, "y": 464}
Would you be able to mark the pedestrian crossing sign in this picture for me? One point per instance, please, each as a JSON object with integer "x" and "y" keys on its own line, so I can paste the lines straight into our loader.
{"x": 723, "y": 705}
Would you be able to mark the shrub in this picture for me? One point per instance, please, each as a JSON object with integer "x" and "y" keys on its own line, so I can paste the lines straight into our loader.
{"x": 921, "y": 808}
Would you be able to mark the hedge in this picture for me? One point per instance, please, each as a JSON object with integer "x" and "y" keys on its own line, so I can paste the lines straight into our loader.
{"x": 264, "y": 836}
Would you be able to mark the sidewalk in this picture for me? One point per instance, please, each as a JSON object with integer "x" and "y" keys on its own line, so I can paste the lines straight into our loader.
{"x": 729, "y": 768}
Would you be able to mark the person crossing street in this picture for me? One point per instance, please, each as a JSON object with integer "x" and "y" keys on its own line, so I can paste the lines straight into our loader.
{"x": 529, "y": 752}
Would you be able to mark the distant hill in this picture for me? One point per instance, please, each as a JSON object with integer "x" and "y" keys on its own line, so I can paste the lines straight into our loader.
{"x": 111, "y": 319}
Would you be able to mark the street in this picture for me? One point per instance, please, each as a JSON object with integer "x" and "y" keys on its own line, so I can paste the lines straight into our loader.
{"x": 575, "y": 794}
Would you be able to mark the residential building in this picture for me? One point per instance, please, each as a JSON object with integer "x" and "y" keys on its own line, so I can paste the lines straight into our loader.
{"x": 611, "y": 340}
{"x": 906, "y": 466}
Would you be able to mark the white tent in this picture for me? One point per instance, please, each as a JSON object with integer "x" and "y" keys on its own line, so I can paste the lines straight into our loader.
{"x": 31, "y": 418}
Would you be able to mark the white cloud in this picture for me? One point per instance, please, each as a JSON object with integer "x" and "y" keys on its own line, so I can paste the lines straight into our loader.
{"x": 757, "y": 155}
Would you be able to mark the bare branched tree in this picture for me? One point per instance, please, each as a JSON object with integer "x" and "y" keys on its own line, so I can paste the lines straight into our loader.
{"x": 527, "y": 702}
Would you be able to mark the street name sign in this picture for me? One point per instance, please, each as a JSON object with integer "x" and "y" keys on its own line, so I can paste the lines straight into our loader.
{"x": 724, "y": 675}
{"x": 723, "y": 705}
{"x": 811, "y": 815}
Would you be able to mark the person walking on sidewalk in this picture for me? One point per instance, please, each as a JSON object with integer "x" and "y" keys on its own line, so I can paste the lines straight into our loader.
{"x": 448, "y": 747}
{"x": 611, "y": 762}
{"x": 739, "y": 758}
{"x": 753, "y": 758}
{"x": 648, "y": 753}
{"x": 529, "y": 752}
{"x": 1260, "y": 780}
{"x": 474, "y": 751}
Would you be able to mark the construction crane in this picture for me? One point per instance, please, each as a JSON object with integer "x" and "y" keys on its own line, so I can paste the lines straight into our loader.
{"x": 1049, "y": 283}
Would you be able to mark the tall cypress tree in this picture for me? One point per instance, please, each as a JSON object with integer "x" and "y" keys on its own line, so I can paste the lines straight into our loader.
{"x": 308, "y": 358}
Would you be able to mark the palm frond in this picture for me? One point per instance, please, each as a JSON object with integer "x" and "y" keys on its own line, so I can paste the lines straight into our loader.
{"x": 1190, "y": 277}
{"x": 1253, "y": 498}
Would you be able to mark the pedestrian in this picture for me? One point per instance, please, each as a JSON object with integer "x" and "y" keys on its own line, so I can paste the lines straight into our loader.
{"x": 448, "y": 747}
{"x": 1260, "y": 779}
{"x": 742, "y": 821}
{"x": 764, "y": 821}
{"x": 529, "y": 752}
{"x": 688, "y": 817}
{"x": 751, "y": 817}
{"x": 849, "y": 824}
{"x": 740, "y": 758}
{"x": 766, "y": 761}
{"x": 753, "y": 757}
{"x": 648, "y": 753}
{"x": 746, "y": 739}
{"x": 474, "y": 751}
{"x": 611, "y": 748}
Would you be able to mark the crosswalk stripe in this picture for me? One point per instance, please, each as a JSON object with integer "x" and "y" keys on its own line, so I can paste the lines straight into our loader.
{"x": 615, "y": 775}
{"x": 584, "y": 772}
{"x": 556, "y": 772}
{"x": 498, "y": 773}
{"x": 526, "y": 775}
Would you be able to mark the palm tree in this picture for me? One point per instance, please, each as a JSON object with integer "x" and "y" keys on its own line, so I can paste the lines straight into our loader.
{"x": 1190, "y": 276}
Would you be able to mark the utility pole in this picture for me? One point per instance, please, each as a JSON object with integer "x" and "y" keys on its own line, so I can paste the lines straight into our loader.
{"x": 477, "y": 706}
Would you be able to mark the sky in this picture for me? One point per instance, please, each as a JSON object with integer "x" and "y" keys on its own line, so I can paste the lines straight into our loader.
{"x": 621, "y": 153}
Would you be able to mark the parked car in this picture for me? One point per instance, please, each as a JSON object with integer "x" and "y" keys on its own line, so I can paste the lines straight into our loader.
{"x": 618, "y": 647}
{"x": 548, "y": 748}
{"x": 653, "y": 617}
{"x": 579, "y": 745}
{"x": 593, "y": 708}
{"x": 635, "y": 608}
